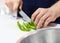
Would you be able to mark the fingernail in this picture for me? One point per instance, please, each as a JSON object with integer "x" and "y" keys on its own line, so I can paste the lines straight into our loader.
{"x": 39, "y": 26}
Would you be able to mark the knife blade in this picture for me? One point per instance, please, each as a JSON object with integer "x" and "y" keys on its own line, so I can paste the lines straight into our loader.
{"x": 25, "y": 16}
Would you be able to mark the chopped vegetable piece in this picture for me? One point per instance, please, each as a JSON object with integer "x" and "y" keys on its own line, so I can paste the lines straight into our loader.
{"x": 26, "y": 26}
{"x": 20, "y": 26}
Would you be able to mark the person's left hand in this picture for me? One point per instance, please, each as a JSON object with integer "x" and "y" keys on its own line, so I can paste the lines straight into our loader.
{"x": 14, "y": 4}
{"x": 43, "y": 16}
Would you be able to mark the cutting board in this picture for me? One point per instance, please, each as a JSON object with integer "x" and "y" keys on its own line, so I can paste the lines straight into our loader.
{"x": 9, "y": 31}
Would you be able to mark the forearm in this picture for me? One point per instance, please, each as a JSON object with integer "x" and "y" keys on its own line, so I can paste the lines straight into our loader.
{"x": 56, "y": 7}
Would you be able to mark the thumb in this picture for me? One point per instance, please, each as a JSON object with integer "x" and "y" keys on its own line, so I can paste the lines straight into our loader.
{"x": 15, "y": 6}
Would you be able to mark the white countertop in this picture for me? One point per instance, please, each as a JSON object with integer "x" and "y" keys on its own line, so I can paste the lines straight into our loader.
{"x": 9, "y": 31}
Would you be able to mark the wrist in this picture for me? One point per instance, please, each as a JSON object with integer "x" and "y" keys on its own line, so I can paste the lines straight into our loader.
{"x": 56, "y": 8}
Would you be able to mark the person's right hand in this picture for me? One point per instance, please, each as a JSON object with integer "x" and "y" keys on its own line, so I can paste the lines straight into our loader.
{"x": 13, "y": 4}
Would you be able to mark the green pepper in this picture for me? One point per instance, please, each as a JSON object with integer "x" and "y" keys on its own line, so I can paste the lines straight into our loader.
{"x": 32, "y": 25}
{"x": 26, "y": 26}
{"x": 20, "y": 26}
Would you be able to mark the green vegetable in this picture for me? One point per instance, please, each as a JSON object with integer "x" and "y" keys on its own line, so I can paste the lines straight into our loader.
{"x": 20, "y": 26}
{"x": 26, "y": 26}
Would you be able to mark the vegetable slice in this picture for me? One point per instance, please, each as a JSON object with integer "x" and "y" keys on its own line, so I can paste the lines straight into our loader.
{"x": 20, "y": 26}
{"x": 26, "y": 26}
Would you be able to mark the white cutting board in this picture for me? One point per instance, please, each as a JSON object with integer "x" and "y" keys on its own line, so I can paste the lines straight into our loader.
{"x": 9, "y": 31}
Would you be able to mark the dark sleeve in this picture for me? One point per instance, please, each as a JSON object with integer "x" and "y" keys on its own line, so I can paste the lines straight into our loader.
{"x": 57, "y": 20}
{"x": 29, "y": 6}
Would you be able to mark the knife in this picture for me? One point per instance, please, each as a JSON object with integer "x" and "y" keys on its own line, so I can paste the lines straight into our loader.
{"x": 25, "y": 16}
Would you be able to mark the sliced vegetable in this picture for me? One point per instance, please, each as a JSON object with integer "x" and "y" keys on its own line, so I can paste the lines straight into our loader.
{"x": 20, "y": 26}
{"x": 26, "y": 26}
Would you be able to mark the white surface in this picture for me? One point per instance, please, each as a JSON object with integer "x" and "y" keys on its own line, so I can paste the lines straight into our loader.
{"x": 9, "y": 31}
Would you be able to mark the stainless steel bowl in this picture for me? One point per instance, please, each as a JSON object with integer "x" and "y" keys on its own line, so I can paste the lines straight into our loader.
{"x": 43, "y": 36}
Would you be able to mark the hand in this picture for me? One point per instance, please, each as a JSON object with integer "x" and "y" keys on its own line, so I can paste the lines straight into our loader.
{"x": 43, "y": 16}
{"x": 13, "y": 4}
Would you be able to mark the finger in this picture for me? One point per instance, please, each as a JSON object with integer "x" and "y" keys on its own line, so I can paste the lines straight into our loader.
{"x": 21, "y": 3}
{"x": 44, "y": 17}
{"x": 41, "y": 21}
{"x": 37, "y": 19}
{"x": 15, "y": 6}
{"x": 39, "y": 24}
{"x": 39, "y": 16}
{"x": 48, "y": 21}
{"x": 9, "y": 4}
{"x": 35, "y": 14}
